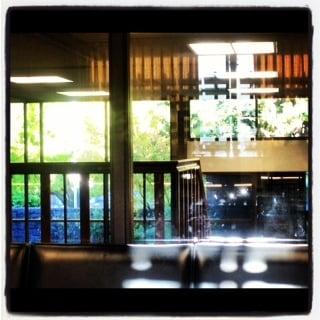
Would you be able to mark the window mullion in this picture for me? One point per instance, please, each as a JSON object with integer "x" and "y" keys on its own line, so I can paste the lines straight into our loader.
{"x": 120, "y": 139}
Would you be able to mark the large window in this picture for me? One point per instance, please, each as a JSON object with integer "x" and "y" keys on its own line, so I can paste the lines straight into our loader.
{"x": 233, "y": 108}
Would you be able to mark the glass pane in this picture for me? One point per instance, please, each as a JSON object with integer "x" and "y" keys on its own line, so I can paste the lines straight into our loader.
{"x": 151, "y": 230}
{"x": 151, "y": 130}
{"x": 73, "y": 196}
{"x": 138, "y": 196}
{"x": 16, "y": 132}
{"x": 57, "y": 232}
{"x": 168, "y": 230}
{"x": 282, "y": 209}
{"x": 167, "y": 197}
{"x": 96, "y": 232}
{"x": 84, "y": 140}
{"x": 33, "y": 132}
{"x": 17, "y": 197}
{"x": 223, "y": 119}
{"x": 283, "y": 117}
{"x": 35, "y": 231}
{"x": 150, "y": 196}
{"x": 73, "y": 232}
{"x": 56, "y": 197}
{"x": 138, "y": 230}
{"x": 18, "y": 232}
{"x": 96, "y": 196}
{"x": 34, "y": 197}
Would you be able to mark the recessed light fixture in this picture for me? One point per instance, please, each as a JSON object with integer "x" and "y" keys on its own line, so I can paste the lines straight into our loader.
{"x": 84, "y": 93}
{"x": 39, "y": 79}
{"x": 220, "y": 48}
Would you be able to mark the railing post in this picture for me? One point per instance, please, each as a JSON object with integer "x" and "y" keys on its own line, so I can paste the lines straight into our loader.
{"x": 84, "y": 209}
{"x": 175, "y": 203}
{"x": 159, "y": 204}
{"x": 45, "y": 208}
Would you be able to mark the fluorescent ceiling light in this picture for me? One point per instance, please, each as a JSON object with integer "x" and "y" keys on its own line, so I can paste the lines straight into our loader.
{"x": 216, "y": 48}
{"x": 84, "y": 93}
{"x": 253, "y": 47}
{"x": 39, "y": 79}
{"x": 211, "y": 48}
{"x": 248, "y": 75}
{"x": 255, "y": 90}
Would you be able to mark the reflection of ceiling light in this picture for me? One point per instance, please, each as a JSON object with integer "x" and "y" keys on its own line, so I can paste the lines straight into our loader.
{"x": 216, "y": 48}
{"x": 141, "y": 265}
{"x": 213, "y": 185}
{"x": 243, "y": 191}
{"x": 255, "y": 266}
{"x": 84, "y": 93}
{"x": 243, "y": 184}
{"x": 228, "y": 265}
{"x": 187, "y": 176}
{"x": 291, "y": 178}
{"x": 39, "y": 79}
{"x": 231, "y": 195}
{"x": 264, "y": 177}
{"x": 228, "y": 284}
{"x": 254, "y": 90}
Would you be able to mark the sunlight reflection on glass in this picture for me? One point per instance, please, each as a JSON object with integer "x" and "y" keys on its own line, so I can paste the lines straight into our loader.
{"x": 148, "y": 283}
{"x": 255, "y": 266}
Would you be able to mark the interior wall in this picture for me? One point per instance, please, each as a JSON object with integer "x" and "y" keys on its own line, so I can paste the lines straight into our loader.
{"x": 251, "y": 156}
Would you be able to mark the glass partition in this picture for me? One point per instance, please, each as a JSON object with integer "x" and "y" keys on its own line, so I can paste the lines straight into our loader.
{"x": 240, "y": 104}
